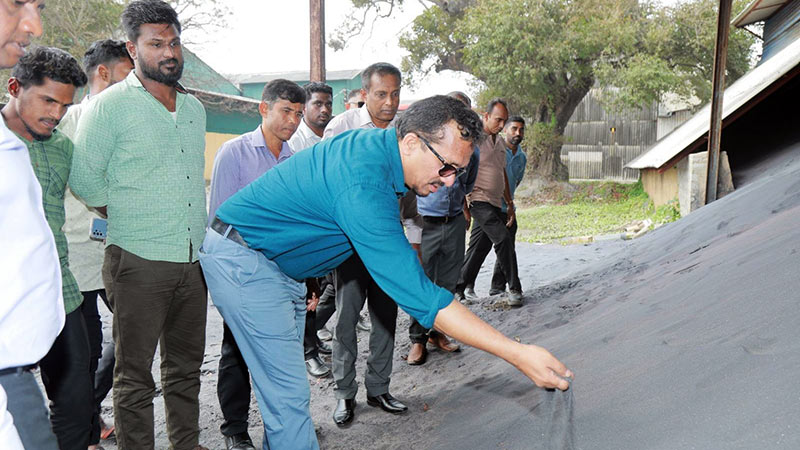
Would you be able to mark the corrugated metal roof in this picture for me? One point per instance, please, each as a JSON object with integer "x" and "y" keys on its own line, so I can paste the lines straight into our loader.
{"x": 757, "y": 11}
{"x": 298, "y": 75}
{"x": 736, "y": 96}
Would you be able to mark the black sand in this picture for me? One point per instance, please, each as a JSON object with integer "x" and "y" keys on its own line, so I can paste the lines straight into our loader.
{"x": 687, "y": 338}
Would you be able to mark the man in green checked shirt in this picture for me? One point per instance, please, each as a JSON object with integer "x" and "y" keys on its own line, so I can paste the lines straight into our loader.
{"x": 139, "y": 154}
{"x": 41, "y": 88}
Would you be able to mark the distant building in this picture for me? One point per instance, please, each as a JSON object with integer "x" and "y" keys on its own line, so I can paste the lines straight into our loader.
{"x": 228, "y": 112}
{"x": 759, "y": 114}
{"x": 341, "y": 81}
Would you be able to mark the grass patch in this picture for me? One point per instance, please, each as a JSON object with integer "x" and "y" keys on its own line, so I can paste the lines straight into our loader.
{"x": 587, "y": 209}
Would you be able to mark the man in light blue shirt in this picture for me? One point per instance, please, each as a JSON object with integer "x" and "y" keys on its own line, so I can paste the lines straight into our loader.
{"x": 516, "y": 160}
{"x": 308, "y": 215}
{"x": 238, "y": 162}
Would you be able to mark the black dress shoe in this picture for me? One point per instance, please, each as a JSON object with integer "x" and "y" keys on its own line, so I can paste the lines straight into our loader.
{"x": 316, "y": 367}
{"x": 387, "y": 403}
{"x": 345, "y": 411}
{"x": 239, "y": 441}
{"x": 323, "y": 347}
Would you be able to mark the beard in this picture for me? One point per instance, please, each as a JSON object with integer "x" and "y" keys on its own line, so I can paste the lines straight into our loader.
{"x": 36, "y": 136}
{"x": 155, "y": 73}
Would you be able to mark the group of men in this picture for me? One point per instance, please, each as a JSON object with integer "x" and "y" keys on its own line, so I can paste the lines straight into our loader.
{"x": 303, "y": 200}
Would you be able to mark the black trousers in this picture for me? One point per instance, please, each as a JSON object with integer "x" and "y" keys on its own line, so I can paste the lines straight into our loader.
{"x": 67, "y": 381}
{"x": 310, "y": 349}
{"x": 498, "y": 278}
{"x": 101, "y": 361}
{"x": 442, "y": 255}
{"x": 489, "y": 229}
{"x": 233, "y": 386}
{"x": 327, "y": 301}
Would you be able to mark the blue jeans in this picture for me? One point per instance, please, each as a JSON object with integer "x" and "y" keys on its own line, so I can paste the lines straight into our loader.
{"x": 265, "y": 310}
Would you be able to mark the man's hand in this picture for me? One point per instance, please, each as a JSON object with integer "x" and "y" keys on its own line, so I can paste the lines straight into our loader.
{"x": 542, "y": 367}
{"x": 512, "y": 216}
{"x": 312, "y": 302}
{"x": 535, "y": 362}
{"x": 312, "y": 294}
{"x": 418, "y": 248}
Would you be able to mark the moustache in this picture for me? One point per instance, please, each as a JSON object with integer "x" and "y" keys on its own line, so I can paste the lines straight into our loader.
{"x": 169, "y": 61}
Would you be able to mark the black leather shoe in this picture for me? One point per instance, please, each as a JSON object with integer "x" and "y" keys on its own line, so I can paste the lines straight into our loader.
{"x": 323, "y": 347}
{"x": 387, "y": 403}
{"x": 316, "y": 367}
{"x": 239, "y": 441}
{"x": 344, "y": 412}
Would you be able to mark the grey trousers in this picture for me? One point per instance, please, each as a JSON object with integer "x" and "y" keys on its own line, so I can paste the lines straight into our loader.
{"x": 354, "y": 285}
{"x": 26, "y": 406}
{"x": 442, "y": 255}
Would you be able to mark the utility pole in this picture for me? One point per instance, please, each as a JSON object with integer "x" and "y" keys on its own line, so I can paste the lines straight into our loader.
{"x": 317, "y": 8}
{"x": 718, "y": 90}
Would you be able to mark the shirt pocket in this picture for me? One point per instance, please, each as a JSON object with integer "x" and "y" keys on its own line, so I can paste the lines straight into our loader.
{"x": 58, "y": 182}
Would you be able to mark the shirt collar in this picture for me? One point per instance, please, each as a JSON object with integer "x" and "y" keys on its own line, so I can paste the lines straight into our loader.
{"x": 257, "y": 141}
{"x": 395, "y": 163}
{"x": 364, "y": 119}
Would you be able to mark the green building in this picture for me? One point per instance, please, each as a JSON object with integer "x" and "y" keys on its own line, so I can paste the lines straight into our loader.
{"x": 228, "y": 112}
{"x": 341, "y": 81}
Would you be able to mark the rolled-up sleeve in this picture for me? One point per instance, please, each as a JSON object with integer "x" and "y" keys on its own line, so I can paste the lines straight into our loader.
{"x": 94, "y": 144}
{"x": 385, "y": 251}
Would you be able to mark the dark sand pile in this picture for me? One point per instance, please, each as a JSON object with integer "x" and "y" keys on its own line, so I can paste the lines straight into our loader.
{"x": 687, "y": 338}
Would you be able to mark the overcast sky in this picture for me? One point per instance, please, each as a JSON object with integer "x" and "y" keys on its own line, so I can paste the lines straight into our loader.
{"x": 273, "y": 36}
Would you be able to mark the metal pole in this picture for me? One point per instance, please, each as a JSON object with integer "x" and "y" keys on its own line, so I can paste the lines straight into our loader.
{"x": 718, "y": 90}
{"x": 317, "y": 8}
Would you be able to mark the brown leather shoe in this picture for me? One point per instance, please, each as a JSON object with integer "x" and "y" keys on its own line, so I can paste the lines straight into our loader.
{"x": 417, "y": 355}
{"x": 442, "y": 343}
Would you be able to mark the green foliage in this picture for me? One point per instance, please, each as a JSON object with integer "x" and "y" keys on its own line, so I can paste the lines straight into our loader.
{"x": 591, "y": 209}
{"x": 72, "y": 25}
{"x": 676, "y": 54}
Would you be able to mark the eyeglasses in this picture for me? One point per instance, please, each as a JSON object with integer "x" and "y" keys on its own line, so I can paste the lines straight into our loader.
{"x": 447, "y": 168}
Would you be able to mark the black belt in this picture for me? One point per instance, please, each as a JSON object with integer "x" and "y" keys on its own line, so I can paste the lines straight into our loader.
{"x": 19, "y": 369}
{"x": 223, "y": 228}
{"x": 444, "y": 219}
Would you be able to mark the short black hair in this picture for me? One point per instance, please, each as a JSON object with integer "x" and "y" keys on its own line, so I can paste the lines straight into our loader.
{"x": 461, "y": 96}
{"x": 494, "y": 102}
{"x": 428, "y": 117}
{"x": 353, "y": 94}
{"x": 381, "y": 69}
{"x": 515, "y": 119}
{"x": 316, "y": 86}
{"x": 48, "y": 62}
{"x": 105, "y": 51}
{"x": 140, "y": 12}
{"x": 284, "y": 90}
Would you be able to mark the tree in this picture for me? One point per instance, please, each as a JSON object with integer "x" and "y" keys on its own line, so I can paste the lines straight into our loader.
{"x": 72, "y": 25}
{"x": 545, "y": 55}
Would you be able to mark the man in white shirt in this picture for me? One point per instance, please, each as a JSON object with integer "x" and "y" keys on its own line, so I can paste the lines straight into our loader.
{"x": 316, "y": 115}
{"x": 32, "y": 310}
{"x": 381, "y": 89}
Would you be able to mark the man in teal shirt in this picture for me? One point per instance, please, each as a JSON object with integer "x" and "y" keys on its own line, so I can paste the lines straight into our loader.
{"x": 139, "y": 152}
{"x": 41, "y": 88}
{"x": 281, "y": 229}
{"x": 516, "y": 160}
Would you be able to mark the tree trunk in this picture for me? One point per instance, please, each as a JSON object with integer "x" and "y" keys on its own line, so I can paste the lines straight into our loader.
{"x": 545, "y": 160}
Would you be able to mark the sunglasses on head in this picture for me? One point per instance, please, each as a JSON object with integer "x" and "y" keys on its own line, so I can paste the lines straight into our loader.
{"x": 447, "y": 168}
